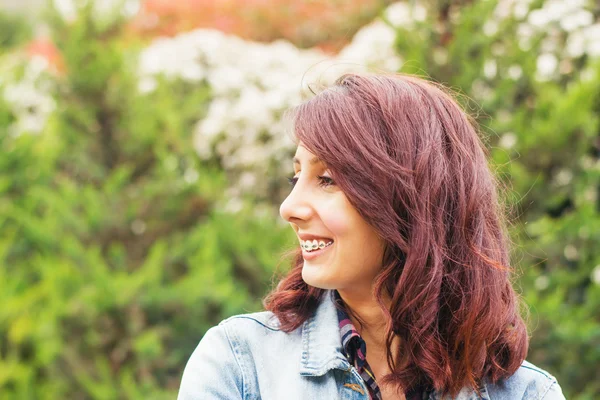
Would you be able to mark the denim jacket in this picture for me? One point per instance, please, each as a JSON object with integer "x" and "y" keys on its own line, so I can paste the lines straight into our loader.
{"x": 249, "y": 357}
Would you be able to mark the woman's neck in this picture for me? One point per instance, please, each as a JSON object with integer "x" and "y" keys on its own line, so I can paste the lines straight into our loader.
{"x": 371, "y": 323}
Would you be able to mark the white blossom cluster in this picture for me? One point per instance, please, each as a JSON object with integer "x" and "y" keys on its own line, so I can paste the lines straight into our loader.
{"x": 28, "y": 96}
{"x": 403, "y": 14}
{"x": 252, "y": 84}
{"x": 555, "y": 19}
{"x": 105, "y": 10}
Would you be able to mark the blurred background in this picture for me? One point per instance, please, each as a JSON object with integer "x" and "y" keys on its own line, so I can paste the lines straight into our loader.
{"x": 143, "y": 159}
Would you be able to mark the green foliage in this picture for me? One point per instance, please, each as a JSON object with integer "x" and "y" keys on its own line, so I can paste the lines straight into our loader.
{"x": 15, "y": 31}
{"x": 552, "y": 170}
{"x": 114, "y": 259}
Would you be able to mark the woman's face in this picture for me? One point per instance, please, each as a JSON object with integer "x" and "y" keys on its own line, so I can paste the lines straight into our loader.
{"x": 318, "y": 210}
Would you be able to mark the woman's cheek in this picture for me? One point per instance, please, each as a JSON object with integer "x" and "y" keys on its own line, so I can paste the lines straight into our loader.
{"x": 338, "y": 218}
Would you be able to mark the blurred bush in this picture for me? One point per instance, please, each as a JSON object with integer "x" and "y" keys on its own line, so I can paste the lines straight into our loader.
{"x": 115, "y": 257}
{"x": 140, "y": 184}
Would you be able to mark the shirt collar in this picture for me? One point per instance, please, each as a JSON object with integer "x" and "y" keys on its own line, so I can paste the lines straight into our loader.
{"x": 353, "y": 346}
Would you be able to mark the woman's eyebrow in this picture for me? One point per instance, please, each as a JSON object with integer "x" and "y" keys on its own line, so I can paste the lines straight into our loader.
{"x": 312, "y": 161}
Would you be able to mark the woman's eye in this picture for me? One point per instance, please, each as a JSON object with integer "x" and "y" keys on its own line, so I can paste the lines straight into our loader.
{"x": 325, "y": 181}
{"x": 292, "y": 181}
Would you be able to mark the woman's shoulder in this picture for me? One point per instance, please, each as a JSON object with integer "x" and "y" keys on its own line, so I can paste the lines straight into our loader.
{"x": 528, "y": 382}
{"x": 246, "y": 340}
{"x": 257, "y": 320}
{"x": 222, "y": 364}
{"x": 251, "y": 331}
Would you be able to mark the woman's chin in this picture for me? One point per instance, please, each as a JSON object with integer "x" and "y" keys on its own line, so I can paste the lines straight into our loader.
{"x": 315, "y": 278}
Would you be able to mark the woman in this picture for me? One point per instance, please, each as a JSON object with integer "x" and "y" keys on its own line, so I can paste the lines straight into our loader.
{"x": 400, "y": 287}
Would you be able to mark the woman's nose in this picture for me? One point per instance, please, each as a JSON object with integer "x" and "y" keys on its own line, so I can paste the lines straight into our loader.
{"x": 296, "y": 207}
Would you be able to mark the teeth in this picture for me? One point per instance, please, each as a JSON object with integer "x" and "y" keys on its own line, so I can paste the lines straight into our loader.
{"x": 309, "y": 245}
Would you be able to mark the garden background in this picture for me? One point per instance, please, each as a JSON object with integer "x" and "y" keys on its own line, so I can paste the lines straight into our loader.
{"x": 143, "y": 158}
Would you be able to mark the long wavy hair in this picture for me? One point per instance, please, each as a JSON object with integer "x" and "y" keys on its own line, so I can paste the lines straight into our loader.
{"x": 410, "y": 160}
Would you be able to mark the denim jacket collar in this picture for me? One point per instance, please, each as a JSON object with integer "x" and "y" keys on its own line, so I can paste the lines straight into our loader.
{"x": 322, "y": 348}
{"x": 321, "y": 343}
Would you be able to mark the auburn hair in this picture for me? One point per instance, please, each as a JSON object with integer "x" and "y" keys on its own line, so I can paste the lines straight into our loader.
{"x": 411, "y": 162}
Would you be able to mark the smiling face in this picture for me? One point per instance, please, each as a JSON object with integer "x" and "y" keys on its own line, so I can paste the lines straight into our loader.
{"x": 317, "y": 209}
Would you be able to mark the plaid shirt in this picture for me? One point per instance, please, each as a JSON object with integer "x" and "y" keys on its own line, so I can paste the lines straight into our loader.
{"x": 355, "y": 350}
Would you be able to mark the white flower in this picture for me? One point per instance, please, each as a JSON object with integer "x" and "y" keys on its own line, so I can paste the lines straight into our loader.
{"x": 576, "y": 45}
{"x": 104, "y": 9}
{"x": 28, "y": 98}
{"x": 481, "y": 90}
{"x": 508, "y": 140}
{"x": 563, "y": 177}
{"x": 440, "y": 55}
{"x": 520, "y": 9}
{"x": 138, "y": 227}
{"x": 402, "y": 15}
{"x": 490, "y": 27}
{"x": 546, "y": 66}
{"x": 525, "y": 34}
{"x": 191, "y": 175}
{"x": 490, "y": 69}
{"x": 226, "y": 79}
{"x": 515, "y": 72}
{"x": 570, "y": 252}
{"x": 538, "y": 18}
{"x": 596, "y": 275}
{"x": 248, "y": 180}
{"x": 234, "y": 204}
{"x": 588, "y": 74}
{"x": 66, "y": 8}
{"x": 578, "y": 19}
{"x": 555, "y": 9}
{"x": 592, "y": 35}
{"x": 542, "y": 282}
{"x": 373, "y": 45}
